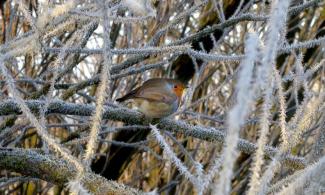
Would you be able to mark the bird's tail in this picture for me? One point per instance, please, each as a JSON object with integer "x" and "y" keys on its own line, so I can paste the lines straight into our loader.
{"x": 127, "y": 96}
{"x": 121, "y": 99}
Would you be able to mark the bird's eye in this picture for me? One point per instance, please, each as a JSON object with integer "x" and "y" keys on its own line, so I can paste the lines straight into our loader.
{"x": 175, "y": 86}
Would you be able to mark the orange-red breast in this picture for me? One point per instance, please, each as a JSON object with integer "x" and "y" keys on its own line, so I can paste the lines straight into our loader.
{"x": 156, "y": 98}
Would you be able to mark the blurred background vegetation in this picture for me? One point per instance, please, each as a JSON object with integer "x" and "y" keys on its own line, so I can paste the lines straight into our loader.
{"x": 127, "y": 152}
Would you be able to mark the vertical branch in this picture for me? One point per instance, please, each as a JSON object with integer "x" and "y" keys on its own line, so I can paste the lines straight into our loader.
{"x": 283, "y": 107}
{"x": 101, "y": 91}
{"x": 237, "y": 115}
{"x": 262, "y": 141}
{"x": 276, "y": 24}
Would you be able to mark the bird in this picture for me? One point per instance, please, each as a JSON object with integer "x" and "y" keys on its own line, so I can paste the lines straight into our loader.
{"x": 157, "y": 97}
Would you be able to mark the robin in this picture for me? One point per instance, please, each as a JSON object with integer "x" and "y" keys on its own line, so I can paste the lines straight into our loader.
{"x": 156, "y": 98}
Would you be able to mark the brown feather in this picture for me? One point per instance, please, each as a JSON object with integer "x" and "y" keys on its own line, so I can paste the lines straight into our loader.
{"x": 153, "y": 90}
{"x": 128, "y": 96}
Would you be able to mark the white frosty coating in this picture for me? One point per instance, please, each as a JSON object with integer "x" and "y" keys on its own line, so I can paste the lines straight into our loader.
{"x": 258, "y": 159}
{"x": 238, "y": 113}
{"x": 101, "y": 91}
{"x": 276, "y": 24}
{"x": 139, "y": 7}
{"x": 312, "y": 172}
{"x": 194, "y": 53}
{"x": 200, "y": 180}
{"x": 171, "y": 155}
{"x": 76, "y": 188}
{"x": 41, "y": 129}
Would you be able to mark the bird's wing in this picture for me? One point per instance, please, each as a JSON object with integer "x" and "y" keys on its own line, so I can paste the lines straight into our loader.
{"x": 156, "y": 94}
{"x": 130, "y": 95}
{"x": 154, "y": 90}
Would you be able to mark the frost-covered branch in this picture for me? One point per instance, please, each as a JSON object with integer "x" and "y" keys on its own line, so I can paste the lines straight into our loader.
{"x": 56, "y": 170}
{"x": 238, "y": 113}
{"x": 134, "y": 117}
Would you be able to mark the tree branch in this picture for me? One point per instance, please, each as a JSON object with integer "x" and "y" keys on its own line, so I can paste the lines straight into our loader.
{"x": 134, "y": 117}
{"x": 58, "y": 171}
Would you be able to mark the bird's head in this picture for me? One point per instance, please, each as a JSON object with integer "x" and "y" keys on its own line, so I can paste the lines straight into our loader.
{"x": 177, "y": 87}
